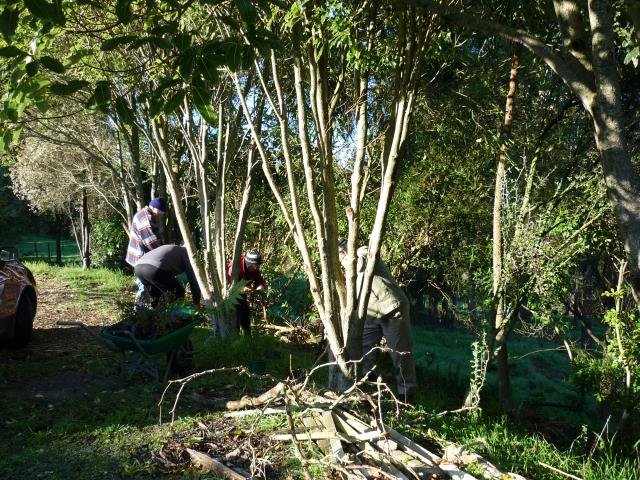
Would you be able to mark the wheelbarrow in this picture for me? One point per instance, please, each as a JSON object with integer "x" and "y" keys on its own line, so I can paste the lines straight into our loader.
{"x": 145, "y": 355}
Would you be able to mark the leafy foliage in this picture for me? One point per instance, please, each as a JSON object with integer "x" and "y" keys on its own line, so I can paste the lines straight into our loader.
{"x": 108, "y": 243}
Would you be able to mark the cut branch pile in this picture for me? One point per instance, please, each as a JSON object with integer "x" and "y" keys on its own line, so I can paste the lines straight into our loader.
{"x": 352, "y": 446}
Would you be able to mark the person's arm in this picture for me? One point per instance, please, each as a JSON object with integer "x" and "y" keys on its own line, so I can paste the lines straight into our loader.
{"x": 193, "y": 283}
{"x": 259, "y": 281}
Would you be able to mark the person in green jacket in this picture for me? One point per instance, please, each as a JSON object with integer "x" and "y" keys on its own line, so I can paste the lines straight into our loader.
{"x": 387, "y": 316}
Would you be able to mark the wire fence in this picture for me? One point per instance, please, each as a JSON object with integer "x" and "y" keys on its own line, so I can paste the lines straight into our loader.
{"x": 45, "y": 250}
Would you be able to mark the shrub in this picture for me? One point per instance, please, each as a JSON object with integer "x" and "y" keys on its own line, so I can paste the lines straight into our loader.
{"x": 109, "y": 243}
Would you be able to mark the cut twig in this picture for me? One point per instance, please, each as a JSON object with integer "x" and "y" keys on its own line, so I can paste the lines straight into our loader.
{"x": 557, "y": 470}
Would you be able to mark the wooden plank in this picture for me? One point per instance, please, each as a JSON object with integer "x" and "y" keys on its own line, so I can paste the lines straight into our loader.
{"x": 430, "y": 459}
{"x": 460, "y": 455}
{"x": 454, "y": 472}
{"x": 310, "y": 422}
{"x": 310, "y": 435}
{"x": 255, "y": 411}
{"x": 384, "y": 463}
{"x": 411, "y": 445}
{"x": 210, "y": 464}
{"x": 336, "y": 445}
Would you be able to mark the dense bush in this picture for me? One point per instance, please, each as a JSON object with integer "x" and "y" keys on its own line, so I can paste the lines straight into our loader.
{"x": 108, "y": 243}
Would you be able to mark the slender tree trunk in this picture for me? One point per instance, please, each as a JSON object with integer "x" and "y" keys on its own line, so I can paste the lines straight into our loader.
{"x": 134, "y": 147}
{"x": 500, "y": 278}
{"x": 159, "y": 137}
{"x": 623, "y": 183}
{"x": 85, "y": 231}
{"x": 59, "y": 228}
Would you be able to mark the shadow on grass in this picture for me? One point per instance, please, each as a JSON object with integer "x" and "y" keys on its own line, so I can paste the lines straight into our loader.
{"x": 68, "y": 413}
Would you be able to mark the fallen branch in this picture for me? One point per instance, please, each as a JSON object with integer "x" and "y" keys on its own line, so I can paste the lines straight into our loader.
{"x": 209, "y": 464}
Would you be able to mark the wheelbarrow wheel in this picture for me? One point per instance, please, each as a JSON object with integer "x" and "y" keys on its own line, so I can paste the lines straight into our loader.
{"x": 181, "y": 359}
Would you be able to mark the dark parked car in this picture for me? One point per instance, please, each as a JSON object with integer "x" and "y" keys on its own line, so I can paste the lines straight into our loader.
{"x": 18, "y": 300}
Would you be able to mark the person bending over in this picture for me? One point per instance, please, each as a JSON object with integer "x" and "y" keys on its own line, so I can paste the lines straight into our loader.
{"x": 249, "y": 271}
{"x": 158, "y": 268}
{"x": 388, "y": 317}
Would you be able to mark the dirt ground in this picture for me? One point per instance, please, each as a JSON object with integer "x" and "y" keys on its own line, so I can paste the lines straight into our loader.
{"x": 52, "y": 340}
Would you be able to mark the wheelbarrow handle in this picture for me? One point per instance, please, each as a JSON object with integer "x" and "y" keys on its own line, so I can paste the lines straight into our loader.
{"x": 104, "y": 342}
{"x": 70, "y": 324}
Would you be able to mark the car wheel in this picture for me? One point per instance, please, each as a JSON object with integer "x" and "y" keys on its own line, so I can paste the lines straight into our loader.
{"x": 24, "y": 323}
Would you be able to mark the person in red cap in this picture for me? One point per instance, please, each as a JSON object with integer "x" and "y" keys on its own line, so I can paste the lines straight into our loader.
{"x": 249, "y": 271}
{"x": 144, "y": 234}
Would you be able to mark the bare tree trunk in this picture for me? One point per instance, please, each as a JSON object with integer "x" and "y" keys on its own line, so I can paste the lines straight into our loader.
{"x": 159, "y": 142}
{"x": 500, "y": 278}
{"x": 59, "y": 228}
{"x": 85, "y": 231}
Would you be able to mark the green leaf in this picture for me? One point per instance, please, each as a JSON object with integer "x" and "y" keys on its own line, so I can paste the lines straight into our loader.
{"x": 46, "y": 11}
{"x": 10, "y": 137}
{"x": 9, "y": 22}
{"x": 208, "y": 112}
{"x": 232, "y": 54}
{"x": 52, "y": 64}
{"x": 123, "y": 110}
{"x": 115, "y": 42}
{"x": 155, "y": 105}
{"x": 185, "y": 63}
{"x": 79, "y": 55}
{"x": 247, "y": 11}
{"x": 69, "y": 88}
{"x": 42, "y": 105}
{"x": 165, "y": 28}
{"x": 32, "y": 68}
{"x": 210, "y": 59}
{"x": 165, "y": 83}
{"x": 182, "y": 41}
{"x": 201, "y": 97}
{"x": 11, "y": 114}
{"x": 160, "y": 42}
{"x": 100, "y": 98}
{"x": 124, "y": 11}
{"x": 12, "y": 51}
{"x": 174, "y": 102}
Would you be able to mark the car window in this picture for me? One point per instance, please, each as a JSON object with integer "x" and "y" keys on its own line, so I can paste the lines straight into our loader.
{"x": 7, "y": 255}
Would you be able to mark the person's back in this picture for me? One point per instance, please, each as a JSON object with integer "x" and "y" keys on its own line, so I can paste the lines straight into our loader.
{"x": 173, "y": 258}
{"x": 388, "y": 317}
{"x": 386, "y": 294}
{"x": 144, "y": 234}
